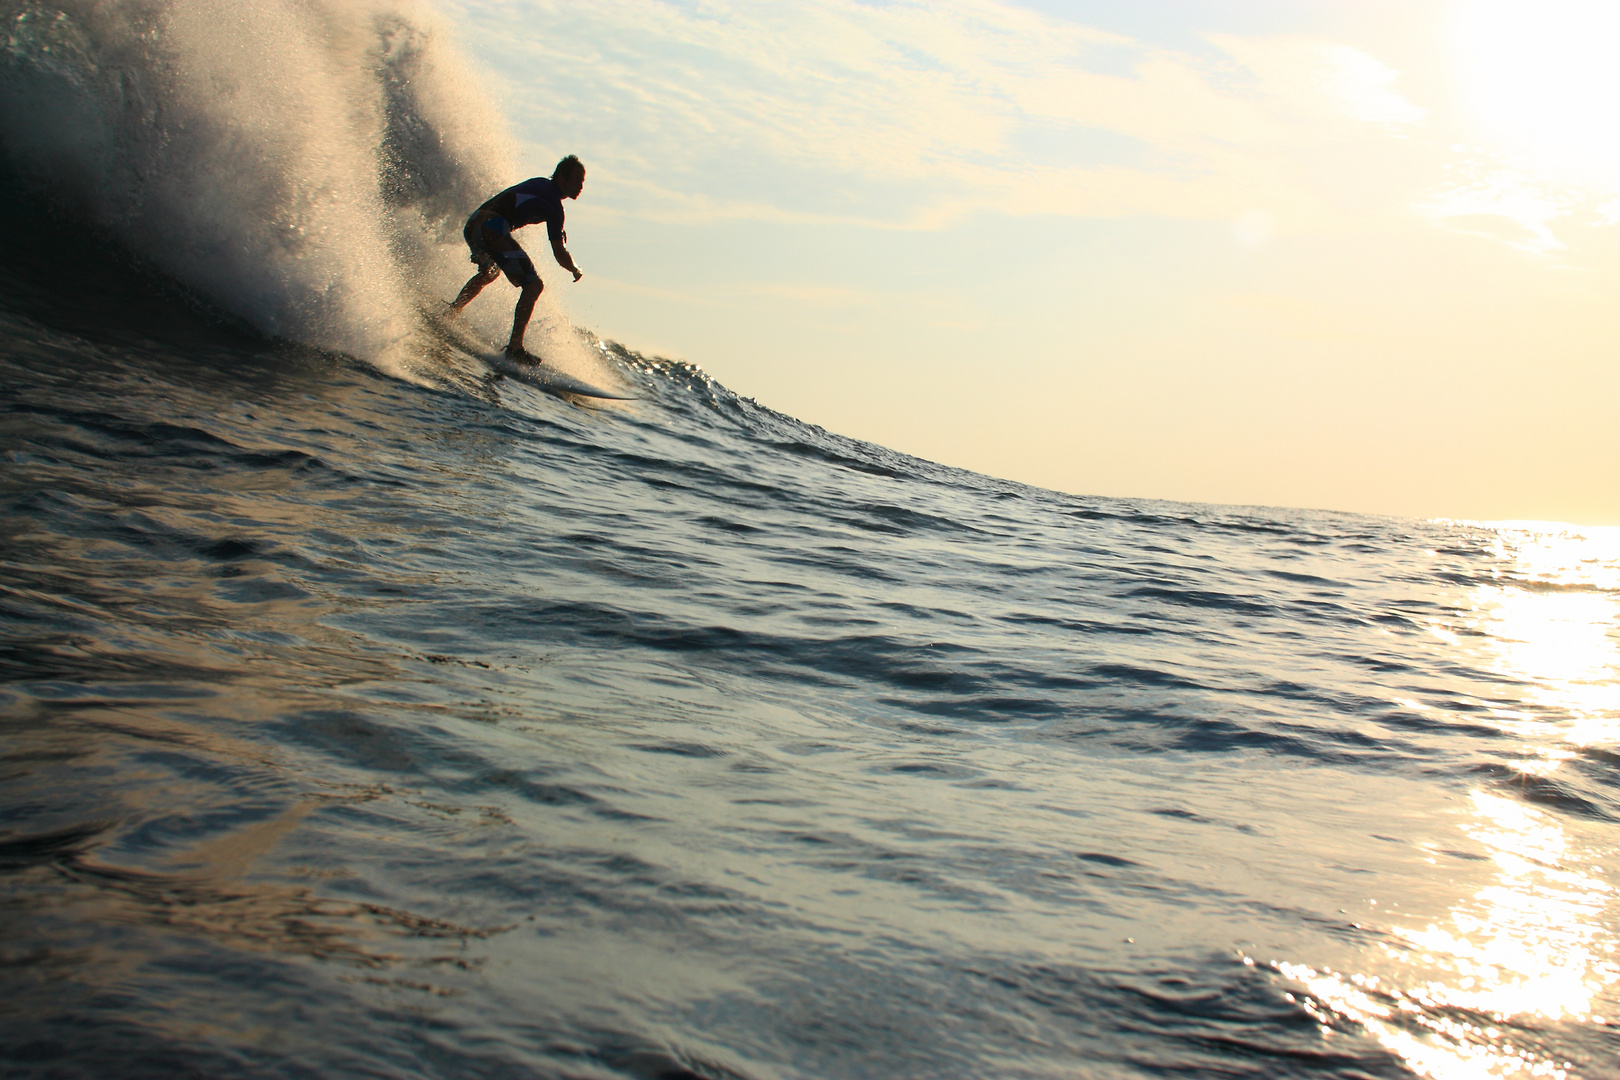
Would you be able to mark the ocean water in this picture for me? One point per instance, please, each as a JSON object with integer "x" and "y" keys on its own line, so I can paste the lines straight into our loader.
{"x": 368, "y": 715}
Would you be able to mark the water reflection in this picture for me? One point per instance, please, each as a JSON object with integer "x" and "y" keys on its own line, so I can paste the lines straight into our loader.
{"x": 1532, "y": 943}
{"x": 1462, "y": 999}
{"x": 1556, "y": 626}
{"x": 1476, "y": 994}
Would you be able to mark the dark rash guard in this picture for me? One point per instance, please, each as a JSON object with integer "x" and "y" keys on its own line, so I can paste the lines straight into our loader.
{"x": 528, "y": 203}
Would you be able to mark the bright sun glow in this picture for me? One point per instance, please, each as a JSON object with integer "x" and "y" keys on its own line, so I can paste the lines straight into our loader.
{"x": 1541, "y": 79}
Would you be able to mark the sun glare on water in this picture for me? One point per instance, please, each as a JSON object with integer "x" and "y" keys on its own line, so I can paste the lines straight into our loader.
{"x": 1541, "y": 79}
{"x": 1528, "y": 949}
{"x": 1534, "y": 945}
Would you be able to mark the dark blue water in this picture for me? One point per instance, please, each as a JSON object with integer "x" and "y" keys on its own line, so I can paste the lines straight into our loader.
{"x": 359, "y": 725}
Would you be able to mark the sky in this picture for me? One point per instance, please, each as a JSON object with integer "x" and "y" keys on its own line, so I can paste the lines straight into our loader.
{"x": 1360, "y": 255}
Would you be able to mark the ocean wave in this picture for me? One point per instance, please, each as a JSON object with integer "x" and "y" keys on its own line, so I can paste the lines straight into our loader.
{"x": 304, "y": 164}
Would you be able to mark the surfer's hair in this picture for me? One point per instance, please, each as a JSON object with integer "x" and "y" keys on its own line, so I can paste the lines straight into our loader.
{"x": 569, "y": 166}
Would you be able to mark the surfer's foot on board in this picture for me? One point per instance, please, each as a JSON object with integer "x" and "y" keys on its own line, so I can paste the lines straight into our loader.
{"x": 522, "y": 355}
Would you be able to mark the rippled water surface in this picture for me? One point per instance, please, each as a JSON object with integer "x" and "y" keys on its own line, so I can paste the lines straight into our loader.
{"x": 359, "y": 728}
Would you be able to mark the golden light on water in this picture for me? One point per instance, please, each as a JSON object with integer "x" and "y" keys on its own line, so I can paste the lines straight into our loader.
{"x": 1553, "y": 627}
{"x": 1533, "y": 943}
{"x": 1536, "y": 946}
{"x": 1531, "y": 947}
{"x": 1561, "y": 644}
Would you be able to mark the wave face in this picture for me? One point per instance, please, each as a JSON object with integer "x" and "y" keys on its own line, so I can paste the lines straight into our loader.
{"x": 305, "y": 164}
{"x": 357, "y": 728}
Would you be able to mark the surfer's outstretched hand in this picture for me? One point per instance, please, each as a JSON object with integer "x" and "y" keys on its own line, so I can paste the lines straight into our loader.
{"x": 578, "y": 273}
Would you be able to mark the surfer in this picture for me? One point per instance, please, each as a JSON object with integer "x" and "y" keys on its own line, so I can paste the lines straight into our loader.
{"x": 489, "y": 238}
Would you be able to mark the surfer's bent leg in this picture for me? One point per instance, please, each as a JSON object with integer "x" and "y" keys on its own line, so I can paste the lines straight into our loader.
{"x": 519, "y": 270}
{"x": 491, "y": 247}
{"x": 474, "y": 233}
{"x": 474, "y": 286}
{"x": 520, "y": 316}
{"x": 489, "y": 239}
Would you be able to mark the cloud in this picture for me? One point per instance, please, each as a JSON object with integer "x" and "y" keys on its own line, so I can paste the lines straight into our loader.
{"x": 1504, "y": 205}
{"x": 916, "y": 113}
{"x": 1322, "y": 79}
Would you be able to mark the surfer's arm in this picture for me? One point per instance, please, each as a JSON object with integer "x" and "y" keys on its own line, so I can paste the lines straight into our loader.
{"x": 559, "y": 244}
{"x": 565, "y": 260}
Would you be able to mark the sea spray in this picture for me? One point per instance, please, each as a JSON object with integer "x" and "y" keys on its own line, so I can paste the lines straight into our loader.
{"x": 306, "y": 165}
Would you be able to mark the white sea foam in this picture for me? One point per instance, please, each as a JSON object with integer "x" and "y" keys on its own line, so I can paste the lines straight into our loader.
{"x": 307, "y": 164}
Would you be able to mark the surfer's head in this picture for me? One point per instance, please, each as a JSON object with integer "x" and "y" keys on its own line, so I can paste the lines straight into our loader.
{"x": 569, "y": 176}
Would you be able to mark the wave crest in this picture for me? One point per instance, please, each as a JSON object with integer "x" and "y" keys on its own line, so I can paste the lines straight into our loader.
{"x": 304, "y": 163}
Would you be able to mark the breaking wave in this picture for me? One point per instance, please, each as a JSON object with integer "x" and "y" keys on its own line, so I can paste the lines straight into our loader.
{"x": 305, "y": 164}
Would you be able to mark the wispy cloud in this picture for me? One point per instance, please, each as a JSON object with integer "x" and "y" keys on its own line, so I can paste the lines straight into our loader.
{"x": 1504, "y": 205}
{"x": 1322, "y": 79}
{"x": 917, "y": 113}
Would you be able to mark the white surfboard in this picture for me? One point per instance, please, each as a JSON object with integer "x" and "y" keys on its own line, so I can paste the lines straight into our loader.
{"x": 540, "y": 376}
{"x": 547, "y": 378}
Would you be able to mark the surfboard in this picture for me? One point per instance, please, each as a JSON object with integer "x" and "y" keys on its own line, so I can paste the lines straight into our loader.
{"x": 547, "y": 378}
{"x": 539, "y": 376}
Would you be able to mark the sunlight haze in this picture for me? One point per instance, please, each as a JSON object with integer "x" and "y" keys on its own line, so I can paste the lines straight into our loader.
{"x": 1356, "y": 257}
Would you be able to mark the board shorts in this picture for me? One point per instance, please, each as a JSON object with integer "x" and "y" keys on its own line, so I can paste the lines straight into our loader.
{"x": 489, "y": 238}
